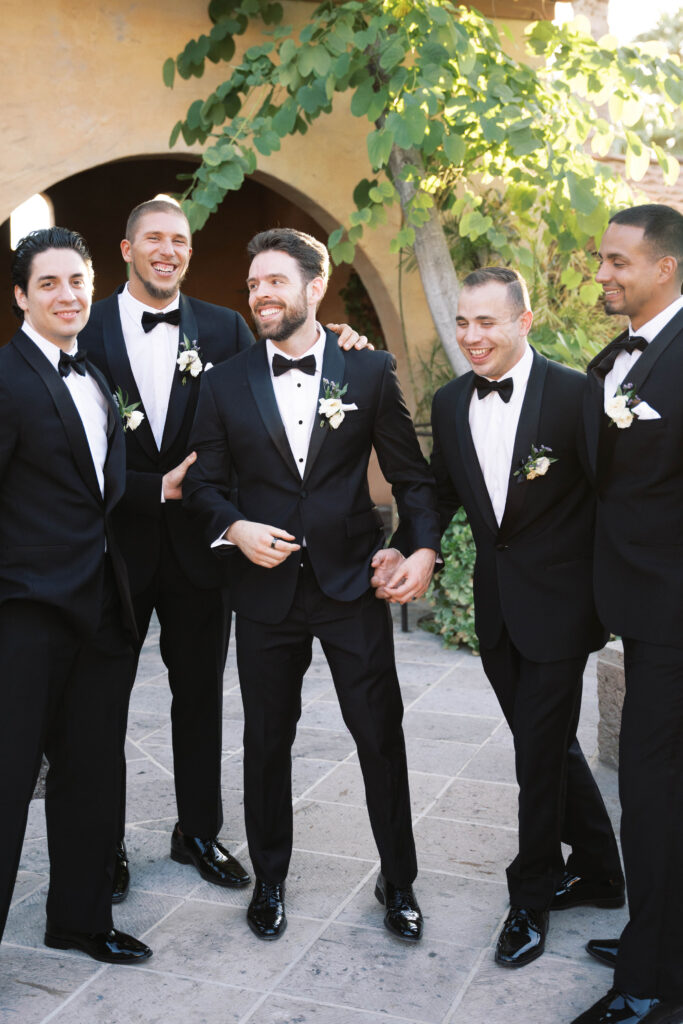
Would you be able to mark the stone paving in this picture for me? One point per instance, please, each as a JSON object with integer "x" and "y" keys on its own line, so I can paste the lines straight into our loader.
{"x": 336, "y": 964}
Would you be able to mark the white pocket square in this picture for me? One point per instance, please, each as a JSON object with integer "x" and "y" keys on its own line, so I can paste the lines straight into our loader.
{"x": 645, "y": 412}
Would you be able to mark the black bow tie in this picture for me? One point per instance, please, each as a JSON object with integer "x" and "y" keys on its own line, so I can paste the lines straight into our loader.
{"x": 628, "y": 344}
{"x": 281, "y": 365}
{"x": 485, "y": 387}
{"x": 68, "y": 363}
{"x": 150, "y": 320}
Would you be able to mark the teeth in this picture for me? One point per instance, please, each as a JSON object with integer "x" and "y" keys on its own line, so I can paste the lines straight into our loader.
{"x": 268, "y": 311}
{"x": 163, "y": 268}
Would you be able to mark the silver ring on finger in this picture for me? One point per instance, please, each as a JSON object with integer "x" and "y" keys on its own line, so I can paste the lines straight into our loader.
{"x": 273, "y": 542}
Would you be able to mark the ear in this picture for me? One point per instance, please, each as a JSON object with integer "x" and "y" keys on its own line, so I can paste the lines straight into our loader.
{"x": 125, "y": 250}
{"x": 20, "y": 298}
{"x": 316, "y": 290}
{"x": 668, "y": 268}
{"x": 526, "y": 320}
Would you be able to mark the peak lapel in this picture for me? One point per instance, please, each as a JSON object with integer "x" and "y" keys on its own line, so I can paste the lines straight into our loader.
{"x": 66, "y": 409}
{"x": 469, "y": 455}
{"x": 334, "y": 369}
{"x": 258, "y": 373}
{"x": 180, "y": 393}
{"x": 527, "y": 434}
{"x": 121, "y": 371}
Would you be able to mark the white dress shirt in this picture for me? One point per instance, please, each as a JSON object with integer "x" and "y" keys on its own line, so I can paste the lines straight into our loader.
{"x": 493, "y": 423}
{"x": 649, "y": 332}
{"x": 296, "y": 394}
{"x": 152, "y": 357}
{"x": 90, "y": 403}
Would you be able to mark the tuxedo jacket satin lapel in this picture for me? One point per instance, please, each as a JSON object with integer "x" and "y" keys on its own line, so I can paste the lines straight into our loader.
{"x": 260, "y": 382}
{"x": 334, "y": 368}
{"x": 180, "y": 393}
{"x": 640, "y": 371}
{"x": 121, "y": 371}
{"x": 527, "y": 435}
{"x": 463, "y": 436}
{"x": 68, "y": 413}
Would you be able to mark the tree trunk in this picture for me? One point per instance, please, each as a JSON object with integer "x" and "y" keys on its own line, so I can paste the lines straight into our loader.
{"x": 434, "y": 262}
{"x": 596, "y": 12}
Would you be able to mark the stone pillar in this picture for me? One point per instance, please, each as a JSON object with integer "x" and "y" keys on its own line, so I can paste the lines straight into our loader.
{"x": 610, "y": 701}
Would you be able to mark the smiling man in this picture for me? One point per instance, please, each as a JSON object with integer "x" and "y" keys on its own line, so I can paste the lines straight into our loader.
{"x": 296, "y": 419}
{"x": 634, "y": 432}
{"x": 66, "y": 624}
{"x": 505, "y": 449}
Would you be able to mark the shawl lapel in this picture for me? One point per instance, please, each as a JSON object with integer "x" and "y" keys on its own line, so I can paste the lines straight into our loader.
{"x": 258, "y": 374}
{"x": 334, "y": 368}
{"x": 526, "y": 436}
{"x": 180, "y": 393}
{"x": 474, "y": 475}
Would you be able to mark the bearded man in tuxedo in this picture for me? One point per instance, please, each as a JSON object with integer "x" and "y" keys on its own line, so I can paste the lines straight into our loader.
{"x": 505, "y": 449}
{"x": 295, "y": 420}
{"x": 153, "y": 343}
{"x": 633, "y": 419}
{"x": 66, "y": 622}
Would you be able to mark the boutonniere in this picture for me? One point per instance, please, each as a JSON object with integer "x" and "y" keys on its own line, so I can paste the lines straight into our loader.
{"x": 627, "y": 406}
{"x": 537, "y": 463}
{"x": 128, "y": 411}
{"x": 331, "y": 405}
{"x": 189, "y": 359}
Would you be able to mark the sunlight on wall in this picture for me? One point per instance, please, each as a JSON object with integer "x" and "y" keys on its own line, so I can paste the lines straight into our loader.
{"x": 35, "y": 213}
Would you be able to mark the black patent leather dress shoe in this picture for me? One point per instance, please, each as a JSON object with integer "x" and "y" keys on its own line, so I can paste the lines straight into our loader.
{"x": 576, "y": 891}
{"x": 522, "y": 938}
{"x": 266, "y": 913}
{"x": 212, "y": 861}
{"x": 112, "y": 947}
{"x": 622, "y": 1008}
{"x": 403, "y": 916}
{"x": 121, "y": 874}
{"x": 604, "y": 950}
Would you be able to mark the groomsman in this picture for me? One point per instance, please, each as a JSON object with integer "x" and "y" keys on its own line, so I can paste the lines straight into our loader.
{"x": 155, "y": 343}
{"x": 634, "y": 434}
{"x": 65, "y": 616}
{"x": 295, "y": 419}
{"x": 505, "y": 448}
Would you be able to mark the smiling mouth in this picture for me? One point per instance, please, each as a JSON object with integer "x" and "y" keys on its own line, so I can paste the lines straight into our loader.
{"x": 611, "y": 293}
{"x": 479, "y": 353}
{"x": 166, "y": 269}
{"x": 266, "y": 312}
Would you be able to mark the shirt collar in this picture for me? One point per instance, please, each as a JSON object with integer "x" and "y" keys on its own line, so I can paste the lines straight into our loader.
{"x": 652, "y": 328}
{"x": 48, "y": 348}
{"x": 317, "y": 349}
{"x": 136, "y": 308}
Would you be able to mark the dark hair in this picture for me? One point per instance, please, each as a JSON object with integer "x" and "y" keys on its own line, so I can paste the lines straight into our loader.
{"x": 40, "y": 241}
{"x": 518, "y": 292}
{"x": 662, "y": 228}
{"x": 153, "y": 206}
{"x": 310, "y": 254}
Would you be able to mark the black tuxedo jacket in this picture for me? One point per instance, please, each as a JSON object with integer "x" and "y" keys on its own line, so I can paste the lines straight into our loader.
{"x": 53, "y": 518}
{"x": 638, "y": 473}
{"x": 533, "y": 573}
{"x": 238, "y": 428}
{"x": 220, "y": 333}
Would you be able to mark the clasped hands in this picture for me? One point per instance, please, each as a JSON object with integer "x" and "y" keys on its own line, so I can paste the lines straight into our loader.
{"x": 398, "y": 579}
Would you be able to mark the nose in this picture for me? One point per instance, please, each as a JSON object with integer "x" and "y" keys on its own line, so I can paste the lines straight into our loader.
{"x": 66, "y": 292}
{"x": 602, "y": 274}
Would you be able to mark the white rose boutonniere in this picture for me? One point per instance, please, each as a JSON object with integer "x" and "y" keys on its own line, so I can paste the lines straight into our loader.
{"x": 189, "y": 359}
{"x": 131, "y": 417}
{"x": 331, "y": 405}
{"x": 623, "y": 408}
{"x": 537, "y": 463}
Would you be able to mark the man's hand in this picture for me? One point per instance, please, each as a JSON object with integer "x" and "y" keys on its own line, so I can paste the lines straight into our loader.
{"x": 385, "y": 563}
{"x": 263, "y": 545}
{"x": 412, "y": 577}
{"x": 172, "y": 482}
{"x": 348, "y": 338}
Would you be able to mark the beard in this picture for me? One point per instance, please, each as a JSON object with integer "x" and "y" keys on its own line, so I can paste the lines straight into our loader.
{"x": 292, "y": 318}
{"x": 158, "y": 291}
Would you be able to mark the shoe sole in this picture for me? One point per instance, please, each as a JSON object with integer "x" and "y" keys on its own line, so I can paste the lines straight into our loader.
{"x": 528, "y": 958}
{"x": 119, "y": 897}
{"x": 604, "y": 960}
{"x": 609, "y": 903}
{"x": 183, "y": 858}
{"x": 268, "y": 938}
{"x": 55, "y": 943}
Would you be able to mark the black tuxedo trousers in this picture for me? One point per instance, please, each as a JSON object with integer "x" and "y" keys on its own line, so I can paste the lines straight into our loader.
{"x": 357, "y": 639}
{"x": 66, "y": 691}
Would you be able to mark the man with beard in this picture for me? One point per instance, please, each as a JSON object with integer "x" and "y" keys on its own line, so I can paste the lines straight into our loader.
{"x": 295, "y": 419}
{"x": 153, "y": 343}
{"x": 633, "y": 418}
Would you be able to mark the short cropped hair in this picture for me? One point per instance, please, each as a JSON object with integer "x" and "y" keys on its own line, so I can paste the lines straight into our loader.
{"x": 311, "y": 255}
{"x": 518, "y": 293}
{"x": 153, "y": 206}
{"x": 662, "y": 228}
{"x": 40, "y": 241}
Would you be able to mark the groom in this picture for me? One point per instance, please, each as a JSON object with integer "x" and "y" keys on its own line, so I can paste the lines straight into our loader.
{"x": 306, "y": 529}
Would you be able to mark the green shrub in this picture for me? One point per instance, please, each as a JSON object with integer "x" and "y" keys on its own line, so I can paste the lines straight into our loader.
{"x": 451, "y": 590}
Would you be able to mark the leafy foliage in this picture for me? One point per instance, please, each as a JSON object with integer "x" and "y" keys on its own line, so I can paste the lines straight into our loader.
{"x": 451, "y": 589}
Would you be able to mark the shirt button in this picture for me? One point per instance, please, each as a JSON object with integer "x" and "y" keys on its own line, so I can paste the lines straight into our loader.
{"x": 301, "y": 422}
{"x": 301, "y": 460}
{"x": 298, "y": 385}
{"x": 502, "y": 547}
